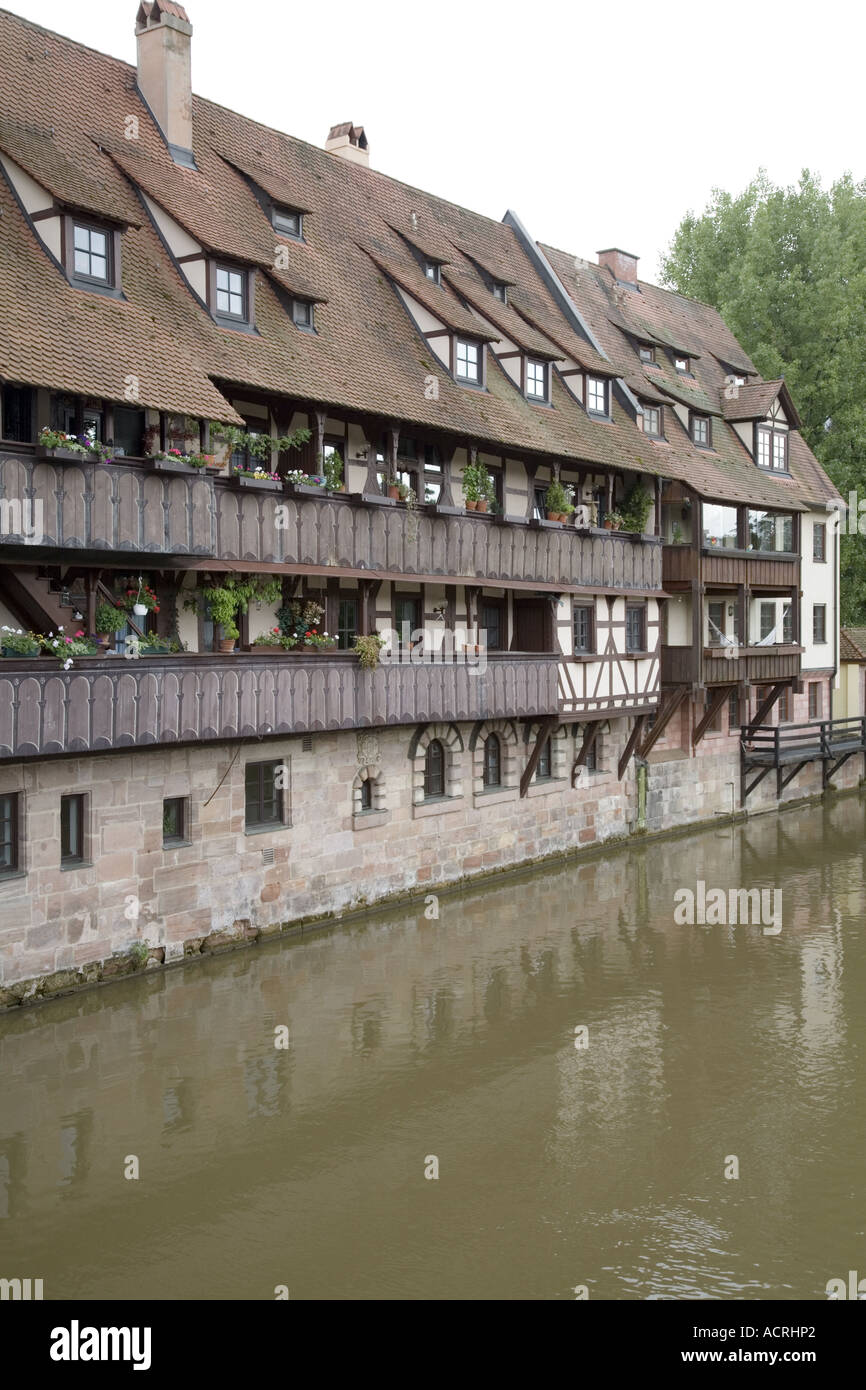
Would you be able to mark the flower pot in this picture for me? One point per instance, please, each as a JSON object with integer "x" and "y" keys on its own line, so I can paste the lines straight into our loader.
{"x": 607, "y": 526}
{"x": 394, "y": 492}
{"x": 553, "y": 516}
{"x": 10, "y": 654}
{"x": 62, "y": 455}
{"x": 140, "y": 610}
{"x": 471, "y": 506}
{"x": 227, "y": 644}
{"x": 482, "y": 505}
{"x": 104, "y": 641}
{"x": 274, "y": 650}
{"x": 263, "y": 484}
{"x": 171, "y": 466}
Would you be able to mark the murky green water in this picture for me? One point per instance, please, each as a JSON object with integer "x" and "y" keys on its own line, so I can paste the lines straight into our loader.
{"x": 601, "y": 1166}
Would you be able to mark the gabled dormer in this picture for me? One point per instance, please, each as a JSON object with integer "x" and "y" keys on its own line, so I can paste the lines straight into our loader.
{"x": 763, "y": 415}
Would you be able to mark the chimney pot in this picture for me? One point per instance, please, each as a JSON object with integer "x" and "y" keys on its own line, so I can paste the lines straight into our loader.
{"x": 163, "y": 34}
{"x": 348, "y": 141}
{"x": 621, "y": 264}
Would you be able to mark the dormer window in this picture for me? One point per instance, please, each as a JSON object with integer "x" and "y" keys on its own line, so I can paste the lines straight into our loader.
{"x": 467, "y": 361}
{"x": 682, "y": 364}
{"x": 536, "y": 379}
{"x": 231, "y": 293}
{"x": 288, "y": 222}
{"x": 500, "y": 291}
{"x": 433, "y": 271}
{"x": 701, "y": 431}
{"x": 772, "y": 449}
{"x": 92, "y": 255}
{"x": 647, "y": 352}
{"x": 302, "y": 314}
{"x": 652, "y": 421}
{"x": 596, "y": 395}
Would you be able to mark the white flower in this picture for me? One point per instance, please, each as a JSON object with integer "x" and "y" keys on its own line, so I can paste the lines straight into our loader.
{"x": 67, "y": 663}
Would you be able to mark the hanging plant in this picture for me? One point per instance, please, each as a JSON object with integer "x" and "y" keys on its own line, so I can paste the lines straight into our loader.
{"x": 140, "y": 601}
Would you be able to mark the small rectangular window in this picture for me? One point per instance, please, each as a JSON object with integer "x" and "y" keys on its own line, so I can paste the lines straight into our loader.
{"x": 128, "y": 431}
{"x": 815, "y": 702}
{"x": 647, "y": 353}
{"x": 432, "y": 272}
{"x": 174, "y": 821}
{"x": 733, "y": 711}
{"x": 635, "y": 627}
{"x": 819, "y": 542}
{"x": 347, "y": 622}
{"x": 819, "y": 623}
{"x": 701, "y": 431}
{"x": 500, "y": 291}
{"x": 544, "y": 766}
{"x": 596, "y": 395}
{"x": 716, "y": 622}
{"x": 91, "y": 253}
{"x": 584, "y": 640}
{"x": 302, "y": 313}
{"x": 536, "y": 380}
{"x": 783, "y": 708}
{"x": 9, "y": 852}
{"x": 492, "y": 616}
{"x": 16, "y": 406}
{"x": 231, "y": 292}
{"x": 72, "y": 810}
{"x": 787, "y": 625}
{"x": 263, "y": 788}
{"x": 681, "y": 364}
{"x": 652, "y": 421}
{"x": 288, "y": 222}
{"x": 590, "y": 761}
{"x": 715, "y": 724}
{"x": 468, "y": 360}
{"x": 768, "y": 619}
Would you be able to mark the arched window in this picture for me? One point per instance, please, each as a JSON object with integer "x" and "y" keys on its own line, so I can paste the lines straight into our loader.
{"x": 543, "y": 769}
{"x": 434, "y": 769}
{"x": 492, "y": 761}
{"x": 367, "y": 794}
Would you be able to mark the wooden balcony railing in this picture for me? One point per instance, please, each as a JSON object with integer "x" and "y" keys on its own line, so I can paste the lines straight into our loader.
{"x": 129, "y": 509}
{"x": 681, "y": 564}
{"x": 754, "y": 665}
{"x": 108, "y": 702}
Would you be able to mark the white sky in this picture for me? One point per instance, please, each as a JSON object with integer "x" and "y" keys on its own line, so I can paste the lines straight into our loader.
{"x": 600, "y": 125}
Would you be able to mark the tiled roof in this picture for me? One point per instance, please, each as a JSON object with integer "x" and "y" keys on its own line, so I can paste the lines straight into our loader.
{"x": 366, "y": 357}
{"x": 852, "y": 644}
{"x": 753, "y": 400}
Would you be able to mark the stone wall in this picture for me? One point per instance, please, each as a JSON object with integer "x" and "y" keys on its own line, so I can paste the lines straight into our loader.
{"x": 136, "y": 903}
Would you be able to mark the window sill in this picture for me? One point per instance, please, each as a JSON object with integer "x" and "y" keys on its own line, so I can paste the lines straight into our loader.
{"x": 176, "y": 844}
{"x": 74, "y": 864}
{"x": 368, "y": 820}
{"x": 441, "y": 807}
{"x": 547, "y": 785}
{"x": 12, "y": 876}
{"x": 495, "y": 796}
{"x": 272, "y": 828}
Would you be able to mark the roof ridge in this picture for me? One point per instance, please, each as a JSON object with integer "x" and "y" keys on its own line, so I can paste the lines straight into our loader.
{"x": 56, "y": 34}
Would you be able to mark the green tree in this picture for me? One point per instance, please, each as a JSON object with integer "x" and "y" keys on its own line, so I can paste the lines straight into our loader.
{"x": 786, "y": 269}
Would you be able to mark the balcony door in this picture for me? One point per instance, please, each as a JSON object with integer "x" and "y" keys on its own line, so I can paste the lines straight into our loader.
{"x": 533, "y": 625}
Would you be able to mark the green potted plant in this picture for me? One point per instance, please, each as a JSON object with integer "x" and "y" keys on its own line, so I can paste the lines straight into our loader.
{"x": 636, "y": 507}
{"x": 109, "y": 621}
{"x": 14, "y": 642}
{"x": 613, "y": 521}
{"x": 558, "y": 501}
{"x": 368, "y": 646}
{"x": 224, "y": 603}
{"x": 676, "y": 534}
{"x": 332, "y": 470}
{"x": 473, "y": 487}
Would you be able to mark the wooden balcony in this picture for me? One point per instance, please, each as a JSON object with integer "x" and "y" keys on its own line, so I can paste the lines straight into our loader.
{"x": 128, "y": 509}
{"x": 748, "y": 665}
{"x": 108, "y": 702}
{"x": 728, "y": 568}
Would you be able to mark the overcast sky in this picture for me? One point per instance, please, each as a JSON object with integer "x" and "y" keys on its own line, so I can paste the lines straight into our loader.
{"x": 598, "y": 124}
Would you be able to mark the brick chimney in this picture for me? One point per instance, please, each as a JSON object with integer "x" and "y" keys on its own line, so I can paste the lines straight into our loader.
{"x": 163, "y": 33}
{"x": 621, "y": 264}
{"x": 349, "y": 142}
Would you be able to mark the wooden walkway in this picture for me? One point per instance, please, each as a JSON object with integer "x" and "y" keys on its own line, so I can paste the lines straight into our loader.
{"x": 789, "y": 747}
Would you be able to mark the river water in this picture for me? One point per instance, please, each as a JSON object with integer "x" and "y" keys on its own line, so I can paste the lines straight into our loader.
{"x": 603, "y": 1166}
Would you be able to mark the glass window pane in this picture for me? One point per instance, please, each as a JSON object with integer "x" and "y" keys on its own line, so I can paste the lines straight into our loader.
{"x": 222, "y": 301}
{"x": 82, "y": 263}
{"x": 81, "y": 238}
{"x": 97, "y": 243}
{"x": 222, "y": 279}
{"x": 98, "y": 267}
{"x": 720, "y": 526}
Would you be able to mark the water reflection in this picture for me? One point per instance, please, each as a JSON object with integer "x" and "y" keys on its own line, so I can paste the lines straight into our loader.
{"x": 559, "y": 1166}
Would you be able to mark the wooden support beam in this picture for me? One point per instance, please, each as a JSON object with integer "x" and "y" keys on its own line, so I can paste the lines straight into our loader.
{"x": 783, "y": 780}
{"x": 747, "y": 790}
{"x": 590, "y": 734}
{"x": 545, "y": 728}
{"x": 718, "y": 699}
{"x": 667, "y": 709}
{"x": 633, "y": 740}
{"x": 764, "y": 707}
